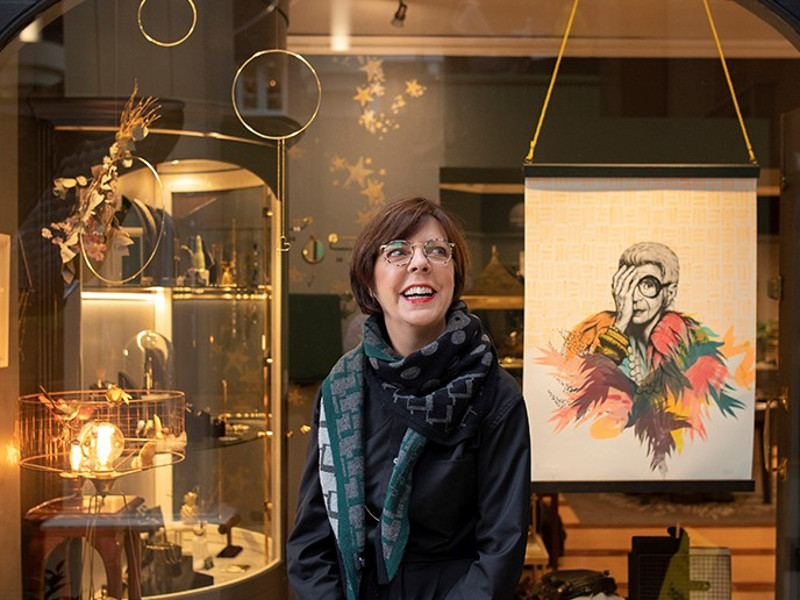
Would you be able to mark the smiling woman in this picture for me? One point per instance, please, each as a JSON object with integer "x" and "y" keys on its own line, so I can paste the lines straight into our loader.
{"x": 421, "y": 400}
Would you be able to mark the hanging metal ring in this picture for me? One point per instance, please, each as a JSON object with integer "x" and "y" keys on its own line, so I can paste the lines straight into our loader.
{"x": 157, "y": 243}
{"x": 303, "y": 126}
{"x": 150, "y": 38}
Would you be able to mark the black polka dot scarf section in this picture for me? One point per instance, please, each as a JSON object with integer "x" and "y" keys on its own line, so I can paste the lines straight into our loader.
{"x": 437, "y": 389}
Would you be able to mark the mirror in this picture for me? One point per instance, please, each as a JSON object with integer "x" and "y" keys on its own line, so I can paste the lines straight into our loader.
{"x": 313, "y": 251}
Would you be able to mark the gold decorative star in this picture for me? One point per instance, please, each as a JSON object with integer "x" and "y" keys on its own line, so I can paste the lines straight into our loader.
{"x": 367, "y": 119}
{"x": 338, "y": 163}
{"x": 398, "y": 103}
{"x": 296, "y": 152}
{"x": 374, "y": 69}
{"x": 295, "y": 396}
{"x": 363, "y": 95}
{"x": 365, "y": 216}
{"x": 378, "y": 89}
{"x": 374, "y": 192}
{"x": 358, "y": 173}
{"x": 414, "y": 88}
{"x": 237, "y": 356}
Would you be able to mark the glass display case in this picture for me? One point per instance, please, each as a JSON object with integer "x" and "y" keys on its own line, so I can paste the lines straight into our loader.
{"x": 195, "y": 319}
{"x": 184, "y": 302}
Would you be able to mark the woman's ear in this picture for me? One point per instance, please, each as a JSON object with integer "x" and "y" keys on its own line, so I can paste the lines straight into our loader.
{"x": 669, "y": 294}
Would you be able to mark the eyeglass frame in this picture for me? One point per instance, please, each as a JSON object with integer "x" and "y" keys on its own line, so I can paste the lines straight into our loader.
{"x": 659, "y": 285}
{"x": 382, "y": 252}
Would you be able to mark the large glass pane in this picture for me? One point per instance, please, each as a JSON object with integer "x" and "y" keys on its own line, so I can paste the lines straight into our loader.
{"x": 154, "y": 342}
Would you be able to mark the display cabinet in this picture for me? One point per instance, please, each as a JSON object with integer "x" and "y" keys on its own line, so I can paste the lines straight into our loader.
{"x": 196, "y": 318}
{"x": 121, "y": 501}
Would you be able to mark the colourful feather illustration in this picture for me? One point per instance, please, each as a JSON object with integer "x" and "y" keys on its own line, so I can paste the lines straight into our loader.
{"x": 688, "y": 382}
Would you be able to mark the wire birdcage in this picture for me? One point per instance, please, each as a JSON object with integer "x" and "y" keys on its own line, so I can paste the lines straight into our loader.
{"x": 61, "y": 432}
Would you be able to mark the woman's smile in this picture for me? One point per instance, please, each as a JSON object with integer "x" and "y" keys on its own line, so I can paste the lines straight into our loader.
{"x": 419, "y": 293}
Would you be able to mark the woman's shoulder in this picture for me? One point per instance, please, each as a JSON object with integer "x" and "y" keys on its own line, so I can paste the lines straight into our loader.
{"x": 505, "y": 393}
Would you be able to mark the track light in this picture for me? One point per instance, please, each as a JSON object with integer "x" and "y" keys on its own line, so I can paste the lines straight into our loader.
{"x": 400, "y": 14}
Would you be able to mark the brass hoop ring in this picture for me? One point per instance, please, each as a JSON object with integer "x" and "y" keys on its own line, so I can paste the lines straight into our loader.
{"x": 239, "y": 114}
{"x": 153, "y": 40}
{"x": 160, "y": 236}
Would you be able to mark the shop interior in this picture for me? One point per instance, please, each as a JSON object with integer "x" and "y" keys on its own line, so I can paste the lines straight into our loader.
{"x": 276, "y": 130}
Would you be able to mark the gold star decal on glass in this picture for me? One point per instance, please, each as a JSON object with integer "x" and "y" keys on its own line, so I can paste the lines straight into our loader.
{"x": 363, "y": 95}
{"x": 367, "y": 119}
{"x": 414, "y": 88}
{"x": 398, "y": 103}
{"x": 338, "y": 163}
{"x": 378, "y": 89}
{"x": 295, "y": 396}
{"x": 374, "y": 192}
{"x": 374, "y": 69}
{"x": 358, "y": 173}
{"x": 365, "y": 216}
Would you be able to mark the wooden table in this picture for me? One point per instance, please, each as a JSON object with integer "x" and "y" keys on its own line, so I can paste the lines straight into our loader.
{"x": 111, "y": 524}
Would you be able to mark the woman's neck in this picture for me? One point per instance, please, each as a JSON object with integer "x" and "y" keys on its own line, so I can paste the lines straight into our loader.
{"x": 408, "y": 339}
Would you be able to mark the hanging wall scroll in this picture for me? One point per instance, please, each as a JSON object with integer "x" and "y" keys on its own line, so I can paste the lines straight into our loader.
{"x": 640, "y": 306}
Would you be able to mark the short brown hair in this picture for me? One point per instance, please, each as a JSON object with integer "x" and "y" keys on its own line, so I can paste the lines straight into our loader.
{"x": 396, "y": 221}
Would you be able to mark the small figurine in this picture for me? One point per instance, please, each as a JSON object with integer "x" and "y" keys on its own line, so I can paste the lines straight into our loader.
{"x": 198, "y": 273}
{"x": 190, "y": 512}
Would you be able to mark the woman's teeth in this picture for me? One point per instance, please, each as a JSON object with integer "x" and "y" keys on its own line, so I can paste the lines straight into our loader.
{"x": 418, "y": 291}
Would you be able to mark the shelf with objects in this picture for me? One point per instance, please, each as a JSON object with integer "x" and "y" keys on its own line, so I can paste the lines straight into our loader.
{"x": 195, "y": 319}
{"x": 179, "y": 299}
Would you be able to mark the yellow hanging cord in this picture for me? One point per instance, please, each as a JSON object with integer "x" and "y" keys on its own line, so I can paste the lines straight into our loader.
{"x": 529, "y": 158}
{"x": 730, "y": 85}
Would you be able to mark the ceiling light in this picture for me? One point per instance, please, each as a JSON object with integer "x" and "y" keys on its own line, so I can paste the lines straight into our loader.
{"x": 400, "y": 14}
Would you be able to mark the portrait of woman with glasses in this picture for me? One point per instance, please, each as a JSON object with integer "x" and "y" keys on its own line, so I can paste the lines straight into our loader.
{"x": 417, "y": 479}
{"x": 644, "y": 366}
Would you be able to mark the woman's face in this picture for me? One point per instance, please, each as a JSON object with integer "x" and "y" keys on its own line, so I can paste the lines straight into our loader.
{"x": 415, "y": 298}
{"x": 647, "y": 309}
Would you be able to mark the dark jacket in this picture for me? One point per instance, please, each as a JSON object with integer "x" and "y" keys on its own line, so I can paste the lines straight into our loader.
{"x": 469, "y": 509}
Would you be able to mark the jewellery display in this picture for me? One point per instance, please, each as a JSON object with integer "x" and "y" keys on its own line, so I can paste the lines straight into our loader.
{"x": 153, "y": 40}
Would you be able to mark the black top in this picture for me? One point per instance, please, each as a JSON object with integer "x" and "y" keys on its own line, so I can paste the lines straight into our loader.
{"x": 468, "y": 514}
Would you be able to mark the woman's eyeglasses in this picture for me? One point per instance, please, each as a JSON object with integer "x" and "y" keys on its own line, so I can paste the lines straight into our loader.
{"x": 650, "y": 287}
{"x": 400, "y": 252}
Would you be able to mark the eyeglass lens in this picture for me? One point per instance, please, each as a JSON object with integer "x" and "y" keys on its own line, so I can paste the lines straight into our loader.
{"x": 400, "y": 252}
{"x": 649, "y": 286}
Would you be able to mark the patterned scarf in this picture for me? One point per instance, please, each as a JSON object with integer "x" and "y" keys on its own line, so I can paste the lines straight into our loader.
{"x": 434, "y": 391}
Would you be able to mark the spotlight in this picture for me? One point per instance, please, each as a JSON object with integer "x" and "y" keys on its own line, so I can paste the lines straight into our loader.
{"x": 400, "y": 14}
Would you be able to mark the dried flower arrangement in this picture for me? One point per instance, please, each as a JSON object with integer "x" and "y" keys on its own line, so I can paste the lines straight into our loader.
{"x": 92, "y": 228}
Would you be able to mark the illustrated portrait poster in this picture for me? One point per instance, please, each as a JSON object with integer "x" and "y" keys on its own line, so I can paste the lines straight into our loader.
{"x": 640, "y": 322}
